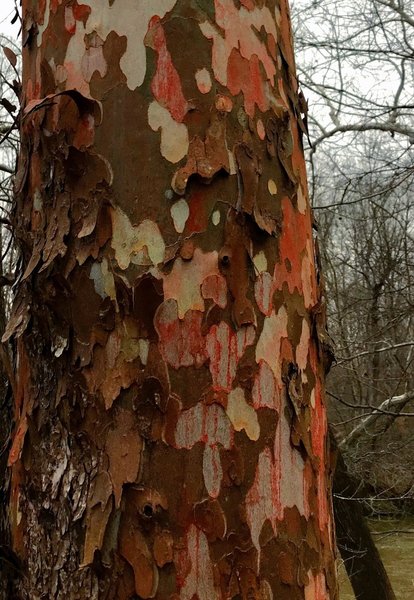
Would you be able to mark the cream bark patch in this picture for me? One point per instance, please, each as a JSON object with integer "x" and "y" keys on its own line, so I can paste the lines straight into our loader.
{"x": 185, "y": 280}
{"x": 240, "y": 32}
{"x": 262, "y": 500}
{"x": 42, "y": 28}
{"x": 174, "y": 136}
{"x": 272, "y": 187}
{"x": 179, "y": 213}
{"x": 260, "y": 262}
{"x": 210, "y": 425}
{"x": 268, "y": 346}
{"x": 132, "y": 22}
{"x": 302, "y": 204}
{"x": 132, "y": 243}
{"x": 215, "y": 217}
{"x": 302, "y": 349}
{"x": 103, "y": 279}
{"x": 197, "y": 568}
{"x": 242, "y": 415}
{"x": 203, "y": 80}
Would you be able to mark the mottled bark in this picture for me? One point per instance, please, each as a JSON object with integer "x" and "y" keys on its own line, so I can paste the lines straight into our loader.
{"x": 171, "y": 430}
{"x": 362, "y": 561}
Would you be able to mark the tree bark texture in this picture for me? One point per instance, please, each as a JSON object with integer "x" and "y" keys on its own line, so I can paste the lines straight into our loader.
{"x": 170, "y": 435}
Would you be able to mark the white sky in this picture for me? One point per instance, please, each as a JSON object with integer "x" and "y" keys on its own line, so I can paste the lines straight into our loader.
{"x": 6, "y": 15}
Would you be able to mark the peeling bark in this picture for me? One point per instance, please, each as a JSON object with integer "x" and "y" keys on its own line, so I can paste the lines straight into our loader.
{"x": 171, "y": 437}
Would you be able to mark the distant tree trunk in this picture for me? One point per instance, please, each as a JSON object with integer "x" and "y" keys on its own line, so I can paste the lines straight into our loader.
{"x": 362, "y": 561}
{"x": 171, "y": 431}
{"x": 9, "y": 567}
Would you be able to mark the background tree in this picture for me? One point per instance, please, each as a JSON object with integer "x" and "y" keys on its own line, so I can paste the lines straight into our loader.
{"x": 9, "y": 91}
{"x": 356, "y": 67}
{"x": 171, "y": 431}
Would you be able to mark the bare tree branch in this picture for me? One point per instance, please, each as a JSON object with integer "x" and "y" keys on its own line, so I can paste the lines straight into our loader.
{"x": 6, "y": 169}
{"x": 370, "y": 419}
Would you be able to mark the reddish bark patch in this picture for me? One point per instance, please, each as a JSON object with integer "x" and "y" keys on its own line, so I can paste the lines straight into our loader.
{"x": 244, "y": 76}
{"x": 181, "y": 340}
{"x": 166, "y": 83}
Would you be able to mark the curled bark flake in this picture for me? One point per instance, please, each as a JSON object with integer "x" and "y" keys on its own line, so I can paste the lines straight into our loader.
{"x": 50, "y": 243}
{"x": 90, "y": 245}
{"x": 20, "y": 315}
{"x": 249, "y": 171}
{"x": 210, "y": 518}
{"x": 86, "y": 105}
{"x": 114, "y": 366}
{"x": 10, "y": 55}
{"x": 58, "y": 227}
{"x": 280, "y": 144}
{"x": 133, "y": 547}
{"x": 205, "y": 158}
{"x": 124, "y": 447}
{"x": 99, "y": 508}
{"x": 300, "y": 432}
{"x": 234, "y": 260}
{"x": 78, "y": 124}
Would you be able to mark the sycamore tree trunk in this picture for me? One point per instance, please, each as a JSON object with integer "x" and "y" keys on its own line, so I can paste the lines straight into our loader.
{"x": 170, "y": 437}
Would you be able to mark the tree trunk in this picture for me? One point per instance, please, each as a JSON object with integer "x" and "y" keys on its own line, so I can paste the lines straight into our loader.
{"x": 362, "y": 561}
{"x": 170, "y": 433}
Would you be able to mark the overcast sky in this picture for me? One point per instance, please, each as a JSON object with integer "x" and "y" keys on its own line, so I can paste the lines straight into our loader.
{"x": 6, "y": 15}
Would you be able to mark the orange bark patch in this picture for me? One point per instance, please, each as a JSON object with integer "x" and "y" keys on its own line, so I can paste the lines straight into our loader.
{"x": 244, "y": 76}
{"x": 163, "y": 548}
{"x": 123, "y": 447}
{"x": 215, "y": 287}
{"x": 133, "y": 548}
{"x": 97, "y": 516}
{"x": 295, "y": 267}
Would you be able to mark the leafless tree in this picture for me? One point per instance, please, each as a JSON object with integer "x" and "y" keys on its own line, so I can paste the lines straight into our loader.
{"x": 356, "y": 65}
